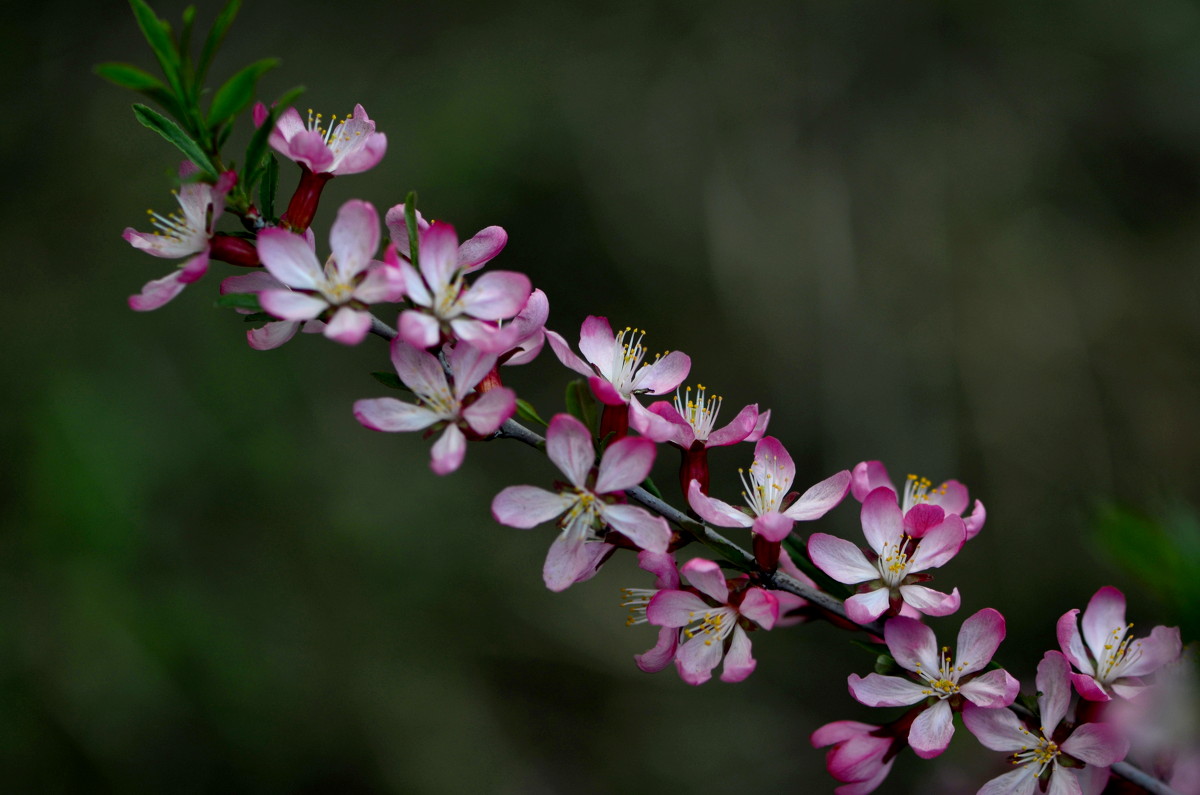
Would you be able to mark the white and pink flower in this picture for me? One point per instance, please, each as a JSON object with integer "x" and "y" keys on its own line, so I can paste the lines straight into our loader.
{"x": 936, "y": 677}
{"x": 890, "y": 578}
{"x": 922, "y": 505}
{"x": 713, "y": 621}
{"x": 691, "y": 421}
{"x": 861, "y": 756}
{"x": 666, "y": 577}
{"x": 349, "y": 146}
{"x": 454, "y": 408}
{"x": 187, "y": 234}
{"x": 339, "y": 291}
{"x": 586, "y": 504}
{"x": 1111, "y": 660}
{"x": 767, "y": 486}
{"x": 1047, "y": 756}
{"x": 445, "y": 307}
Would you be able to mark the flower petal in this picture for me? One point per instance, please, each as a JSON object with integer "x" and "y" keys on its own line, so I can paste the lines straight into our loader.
{"x": 885, "y": 691}
{"x": 1015, "y": 782}
{"x": 912, "y": 644}
{"x": 291, "y": 305}
{"x": 929, "y": 601}
{"x": 1054, "y": 690}
{"x": 569, "y": 446}
{"x": 158, "y": 292}
{"x": 491, "y": 410}
{"x": 1071, "y": 642}
{"x": 992, "y": 689}
{"x": 714, "y": 511}
{"x": 625, "y": 464}
{"x": 354, "y": 238}
{"x": 868, "y": 476}
{"x": 663, "y": 375}
{"x": 838, "y": 558}
{"x": 567, "y": 356}
{"x": 391, "y": 415}
{"x": 675, "y": 608}
{"x": 438, "y": 255}
{"x": 696, "y": 658}
{"x": 882, "y": 521}
{"x": 863, "y": 608}
{"x": 978, "y": 639}
{"x": 289, "y": 259}
{"x": 997, "y": 729}
{"x": 420, "y": 371}
{"x": 773, "y": 525}
{"x": 1163, "y": 646}
{"x": 497, "y": 295}
{"x": 821, "y": 498}
{"x": 272, "y": 335}
{"x": 659, "y": 657}
{"x": 939, "y": 545}
{"x": 1097, "y": 744}
{"x": 570, "y": 558}
{"x": 448, "y": 451}
{"x": 707, "y": 578}
{"x": 931, "y": 731}
{"x": 528, "y": 506}
{"x": 473, "y": 254}
{"x": 738, "y": 662}
{"x": 761, "y": 607}
{"x": 469, "y": 366}
{"x": 1105, "y": 612}
{"x": 738, "y": 428}
{"x": 348, "y": 326}
{"x": 647, "y": 531}
{"x": 598, "y": 344}
{"x": 418, "y": 329}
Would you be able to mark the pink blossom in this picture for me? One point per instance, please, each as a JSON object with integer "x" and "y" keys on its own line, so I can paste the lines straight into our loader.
{"x": 691, "y": 421}
{"x": 615, "y": 364}
{"x": 1040, "y": 753}
{"x": 446, "y": 307}
{"x": 861, "y": 756}
{"x": 936, "y": 676}
{"x": 1109, "y": 657}
{"x": 452, "y": 408}
{"x": 340, "y": 291}
{"x": 666, "y": 577}
{"x": 188, "y": 234}
{"x": 767, "y": 486}
{"x": 710, "y": 615}
{"x": 890, "y": 579}
{"x": 349, "y": 146}
{"x": 585, "y": 505}
{"x": 930, "y": 503}
{"x": 473, "y": 254}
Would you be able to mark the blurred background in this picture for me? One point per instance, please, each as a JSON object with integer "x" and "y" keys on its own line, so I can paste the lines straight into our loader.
{"x": 957, "y": 237}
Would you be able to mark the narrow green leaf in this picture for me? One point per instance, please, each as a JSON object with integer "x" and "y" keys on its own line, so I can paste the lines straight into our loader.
{"x": 257, "y": 147}
{"x": 239, "y": 301}
{"x": 527, "y": 413}
{"x": 127, "y": 76}
{"x": 581, "y": 404}
{"x": 268, "y": 187}
{"x": 215, "y": 36}
{"x": 390, "y": 380}
{"x": 159, "y": 38}
{"x": 172, "y": 132}
{"x": 238, "y": 91}
{"x": 410, "y": 221}
{"x": 885, "y": 665}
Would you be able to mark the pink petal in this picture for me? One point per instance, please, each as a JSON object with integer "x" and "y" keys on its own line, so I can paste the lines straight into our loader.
{"x": 1064, "y": 781}
{"x": 738, "y": 662}
{"x": 931, "y": 731}
{"x": 922, "y": 517}
{"x": 761, "y": 607}
{"x": 662, "y": 654}
{"x": 1098, "y": 744}
{"x": 770, "y": 453}
{"x": 882, "y": 522}
{"x": 974, "y": 522}
{"x": 821, "y": 498}
{"x": 1054, "y": 689}
{"x": 939, "y": 545}
{"x": 997, "y": 729}
{"x": 647, "y": 531}
{"x": 348, "y": 326}
{"x": 158, "y": 292}
{"x": 487, "y": 243}
{"x": 868, "y": 476}
{"x": 1088, "y": 688}
{"x": 528, "y": 506}
{"x": 397, "y": 226}
{"x": 414, "y": 286}
{"x": 289, "y": 259}
{"x": 391, "y": 415}
{"x": 469, "y": 366}
{"x": 662, "y": 566}
{"x": 625, "y": 464}
{"x": 569, "y": 446}
{"x": 485, "y": 334}
{"x": 885, "y": 691}
{"x": 1163, "y": 646}
{"x": 760, "y": 429}
{"x": 991, "y": 690}
{"x": 675, "y": 608}
{"x": 840, "y": 559}
{"x": 863, "y": 608}
{"x": 497, "y": 295}
{"x": 420, "y": 371}
{"x": 309, "y": 147}
{"x": 839, "y": 732}
{"x": 438, "y": 255}
{"x": 288, "y": 125}
{"x": 773, "y": 525}
{"x": 366, "y": 157}
{"x": 566, "y": 355}
{"x": 714, "y": 511}
{"x": 597, "y": 343}
{"x": 448, "y": 451}
{"x": 929, "y": 601}
{"x": 419, "y": 329}
{"x": 354, "y": 238}
{"x": 382, "y": 283}
{"x": 291, "y": 305}
{"x": 272, "y": 335}
{"x": 978, "y": 639}
{"x": 490, "y": 411}
{"x": 912, "y": 644}
{"x": 570, "y": 558}
{"x": 254, "y": 282}
{"x": 1105, "y": 612}
{"x": 1071, "y": 642}
{"x": 605, "y": 392}
{"x": 738, "y": 428}
{"x": 162, "y": 245}
{"x": 951, "y": 496}
{"x": 706, "y": 577}
{"x": 661, "y": 423}
{"x": 664, "y": 375}
{"x": 696, "y": 659}
{"x": 1015, "y": 782}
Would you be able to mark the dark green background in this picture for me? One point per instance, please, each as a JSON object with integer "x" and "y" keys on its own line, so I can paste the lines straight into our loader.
{"x": 958, "y": 237}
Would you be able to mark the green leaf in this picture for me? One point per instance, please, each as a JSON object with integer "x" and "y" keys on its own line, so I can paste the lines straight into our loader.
{"x": 884, "y": 664}
{"x": 410, "y": 222}
{"x": 159, "y": 38}
{"x": 239, "y": 301}
{"x": 172, "y": 132}
{"x": 581, "y": 404}
{"x": 267, "y": 188}
{"x": 215, "y": 36}
{"x": 127, "y": 76}
{"x": 238, "y": 91}
{"x": 390, "y": 380}
{"x": 257, "y": 149}
{"x": 528, "y": 414}
{"x": 649, "y": 485}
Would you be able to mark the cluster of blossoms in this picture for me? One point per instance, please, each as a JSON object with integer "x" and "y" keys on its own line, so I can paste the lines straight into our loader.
{"x": 455, "y": 328}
